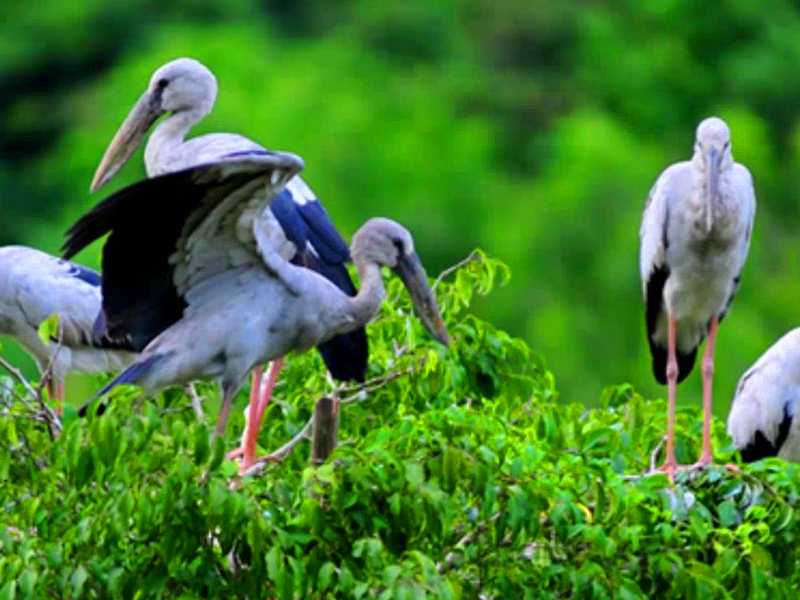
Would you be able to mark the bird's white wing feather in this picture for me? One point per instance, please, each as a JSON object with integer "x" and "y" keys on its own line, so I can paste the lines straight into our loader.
{"x": 652, "y": 252}
{"x": 768, "y": 391}
{"x": 35, "y": 285}
{"x": 224, "y": 237}
{"x": 745, "y": 194}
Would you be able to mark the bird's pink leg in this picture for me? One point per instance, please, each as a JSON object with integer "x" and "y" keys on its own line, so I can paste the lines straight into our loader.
{"x": 56, "y": 391}
{"x": 252, "y": 409}
{"x": 254, "y": 420}
{"x": 224, "y": 412}
{"x": 707, "y": 455}
{"x": 670, "y": 465}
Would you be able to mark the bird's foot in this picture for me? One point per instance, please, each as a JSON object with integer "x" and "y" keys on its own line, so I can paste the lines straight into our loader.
{"x": 706, "y": 460}
{"x": 669, "y": 468}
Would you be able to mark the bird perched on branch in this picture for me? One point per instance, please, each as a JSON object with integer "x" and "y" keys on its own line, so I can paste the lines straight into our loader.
{"x": 695, "y": 236}
{"x": 34, "y": 286}
{"x": 185, "y": 91}
{"x": 763, "y": 419}
{"x": 241, "y": 303}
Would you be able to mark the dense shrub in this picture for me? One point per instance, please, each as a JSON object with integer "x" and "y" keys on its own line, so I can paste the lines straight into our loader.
{"x": 459, "y": 473}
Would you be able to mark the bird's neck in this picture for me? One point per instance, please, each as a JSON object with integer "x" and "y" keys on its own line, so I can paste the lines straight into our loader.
{"x": 367, "y": 303}
{"x": 165, "y": 142}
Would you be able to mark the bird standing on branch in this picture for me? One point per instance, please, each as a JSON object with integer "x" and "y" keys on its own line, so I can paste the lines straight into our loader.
{"x": 695, "y": 235}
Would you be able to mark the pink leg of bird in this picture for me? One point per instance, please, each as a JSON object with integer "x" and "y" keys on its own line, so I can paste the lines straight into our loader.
{"x": 707, "y": 455}
{"x": 252, "y": 407}
{"x": 56, "y": 390}
{"x": 254, "y": 420}
{"x": 670, "y": 465}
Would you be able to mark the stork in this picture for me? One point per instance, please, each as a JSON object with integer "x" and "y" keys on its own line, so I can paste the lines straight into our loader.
{"x": 186, "y": 90}
{"x": 35, "y": 285}
{"x": 763, "y": 419}
{"x": 241, "y": 303}
{"x": 695, "y": 235}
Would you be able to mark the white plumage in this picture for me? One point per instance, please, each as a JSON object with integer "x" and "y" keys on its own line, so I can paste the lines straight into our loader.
{"x": 34, "y": 286}
{"x": 763, "y": 418}
{"x": 695, "y": 235}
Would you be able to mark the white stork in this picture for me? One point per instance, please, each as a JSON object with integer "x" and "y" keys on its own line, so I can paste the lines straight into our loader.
{"x": 34, "y": 286}
{"x": 763, "y": 419}
{"x": 695, "y": 236}
{"x": 186, "y": 90}
{"x": 242, "y": 302}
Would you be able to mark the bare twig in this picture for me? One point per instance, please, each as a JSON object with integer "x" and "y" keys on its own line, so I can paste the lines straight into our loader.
{"x": 355, "y": 392}
{"x": 197, "y": 403}
{"x": 654, "y": 454}
{"x": 470, "y": 258}
{"x": 17, "y": 374}
{"x": 42, "y": 413}
{"x": 450, "y": 557}
{"x": 281, "y": 453}
{"x": 52, "y": 418}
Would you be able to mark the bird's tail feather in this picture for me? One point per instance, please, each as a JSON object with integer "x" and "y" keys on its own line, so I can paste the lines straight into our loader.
{"x": 133, "y": 374}
{"x": 346, "y": 356}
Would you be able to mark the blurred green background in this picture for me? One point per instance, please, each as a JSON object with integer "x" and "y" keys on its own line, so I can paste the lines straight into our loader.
{"x": 533, "y": 129}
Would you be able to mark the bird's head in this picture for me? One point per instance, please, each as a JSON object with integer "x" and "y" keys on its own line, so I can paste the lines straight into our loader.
{"x": 712, "y": 150}
{"x": 182, "y": 85}
{"x": 384, "y": 242}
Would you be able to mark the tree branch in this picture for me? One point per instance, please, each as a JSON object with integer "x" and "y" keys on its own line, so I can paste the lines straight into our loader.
{"x": 470, "y": 258}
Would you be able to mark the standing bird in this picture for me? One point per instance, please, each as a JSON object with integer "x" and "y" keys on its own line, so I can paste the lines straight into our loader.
{"x": 186, "y": 90}
{"x": 243, "y": 303}
{"x": 762, "y": 421}
{"x": 695, "y": 236}
{"x": 34, "y": 286}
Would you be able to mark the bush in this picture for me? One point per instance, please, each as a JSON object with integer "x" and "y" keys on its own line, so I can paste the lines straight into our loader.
{"x": 460, "y": 473}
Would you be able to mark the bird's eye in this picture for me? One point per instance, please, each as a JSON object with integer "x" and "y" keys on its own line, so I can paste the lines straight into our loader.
{"x": 398, "y": 243}
{"x": 162, "y": 83}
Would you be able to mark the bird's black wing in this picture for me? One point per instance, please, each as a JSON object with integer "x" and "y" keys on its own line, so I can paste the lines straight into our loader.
{"x": 321, "y": 248}
{"x": 655, "y": 273}
{"x": 146, "y": 222}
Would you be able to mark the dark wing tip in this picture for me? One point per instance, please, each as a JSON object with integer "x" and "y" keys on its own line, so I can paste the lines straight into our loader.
{"x": 685, "y": 362}
{"x": 346, "y": 356}
{"x": 759, "y": 447}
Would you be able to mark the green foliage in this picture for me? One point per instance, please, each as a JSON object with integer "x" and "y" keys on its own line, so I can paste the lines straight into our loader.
{"x": 459, "y": 473}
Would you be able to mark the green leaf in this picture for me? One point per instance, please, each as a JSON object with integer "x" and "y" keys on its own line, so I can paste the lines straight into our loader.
{"x": 728, "y": 514}
{"x": 78, "y": 579}
{"x": 8, "y": 591}
{"x": 415, "y": 476}
{"x": 49, "y": 329}
{"x": 202, "y": 448}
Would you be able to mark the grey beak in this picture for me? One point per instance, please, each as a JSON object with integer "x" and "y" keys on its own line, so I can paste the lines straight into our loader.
{"x": 713, "y": 161}
{"x": 410, "y": 270}
{"x": 128, "y": 137}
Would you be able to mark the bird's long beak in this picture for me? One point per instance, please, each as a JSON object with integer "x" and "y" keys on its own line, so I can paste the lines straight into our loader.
{"x": 713, "y": 160}
{"x": 410, "y": 270}
{"x": 128, "y": 137}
